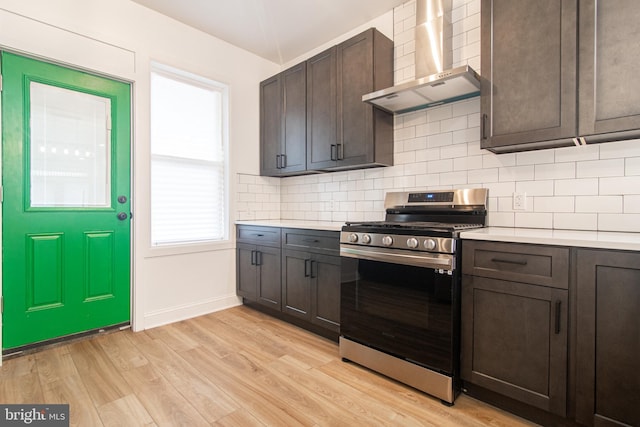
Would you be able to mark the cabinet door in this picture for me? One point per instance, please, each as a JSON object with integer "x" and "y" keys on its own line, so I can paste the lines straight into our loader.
{"x": 296, "y": 284}
{"x": 514, "y": 340}
{"x": 528, "y": 85}
{"x": 325, "y": 288}
{"x": 246, "y": 272}
{"x": 294, "y": 108}
{"x": 608, "y": 338}
{"x": 269, "y": 286}
{"x": 270, "y": 126}
{"x": 609, "y": 88}
{"x": 355, "y": 118}
{"x": 322, "y": 142}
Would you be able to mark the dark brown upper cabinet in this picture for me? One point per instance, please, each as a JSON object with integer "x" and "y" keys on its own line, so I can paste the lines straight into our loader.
{"x": 558, "y": 73}
{"x": 342, "y": 131}
{"x": 312, "y": 118}
{"x": 283, "y": 129}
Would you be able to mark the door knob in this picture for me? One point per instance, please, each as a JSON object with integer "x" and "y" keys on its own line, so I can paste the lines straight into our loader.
{"x": 122, "y": 216}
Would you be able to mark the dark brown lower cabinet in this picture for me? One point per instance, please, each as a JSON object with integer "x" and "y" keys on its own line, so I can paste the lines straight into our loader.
{"x": 608, "y": 338}
{"x": 258, "y": 274}
{"x": 514, "y": 340}
{"x": 311, "y": 287}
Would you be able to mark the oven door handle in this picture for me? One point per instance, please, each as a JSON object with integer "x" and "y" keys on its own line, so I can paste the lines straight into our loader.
{"x": 429, "y": 260}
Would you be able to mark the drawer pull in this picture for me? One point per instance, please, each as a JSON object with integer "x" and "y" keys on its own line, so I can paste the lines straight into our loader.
{"x": 259, "y": 235}
{"x": 508, "y": 261}
{"x": 311, "y": 240}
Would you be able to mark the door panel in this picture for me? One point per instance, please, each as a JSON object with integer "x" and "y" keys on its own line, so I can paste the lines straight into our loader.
{"x": 66, "y": 161}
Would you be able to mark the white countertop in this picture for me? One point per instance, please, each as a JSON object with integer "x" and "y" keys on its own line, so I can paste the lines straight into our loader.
{"x": 585, "y": 239}
{"x": 291, "y": 223}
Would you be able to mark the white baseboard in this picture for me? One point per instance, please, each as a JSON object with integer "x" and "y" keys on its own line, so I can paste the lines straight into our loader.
{"x": 175, "y": 314}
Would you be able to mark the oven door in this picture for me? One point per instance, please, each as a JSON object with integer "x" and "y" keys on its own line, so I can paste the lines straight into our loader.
{"x": 404, "y": 310}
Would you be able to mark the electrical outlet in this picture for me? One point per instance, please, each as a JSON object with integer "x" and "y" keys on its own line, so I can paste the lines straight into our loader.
{"x": 519, "y": 201}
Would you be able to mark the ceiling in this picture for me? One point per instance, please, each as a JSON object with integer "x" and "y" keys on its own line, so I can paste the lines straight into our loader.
{"x": 277, "y": 30}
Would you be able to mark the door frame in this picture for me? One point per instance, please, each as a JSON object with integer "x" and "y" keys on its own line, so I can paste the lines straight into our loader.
{"x": 132, "y": 222}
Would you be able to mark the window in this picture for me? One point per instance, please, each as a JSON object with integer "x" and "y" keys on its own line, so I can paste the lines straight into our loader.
{"x": 188, "y": 158}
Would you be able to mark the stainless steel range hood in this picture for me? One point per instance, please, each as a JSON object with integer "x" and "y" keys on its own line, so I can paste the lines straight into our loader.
{"x": 436, "y": 82}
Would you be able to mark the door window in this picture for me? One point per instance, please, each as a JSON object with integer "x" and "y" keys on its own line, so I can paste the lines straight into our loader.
{"x": 70, "y": 148}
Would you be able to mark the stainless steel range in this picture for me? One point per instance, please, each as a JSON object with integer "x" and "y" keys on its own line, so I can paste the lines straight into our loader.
{"x": 400, "y": 290}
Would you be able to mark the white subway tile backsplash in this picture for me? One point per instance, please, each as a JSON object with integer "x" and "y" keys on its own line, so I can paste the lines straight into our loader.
{"x": 454, "y": 123}
{"x": 553, "y": 204}
{"x": 620, "y": 149}
{"x": 439, "y": 113}
{"x": 490, "y": 160}
{"x": 453, "y": 151}
{"x": 577, "y": 153}
{"x": 599, "y": 204}
{"x": 600, "y": 168}
{"x": 501, "y": 219}
{"x": 535, "y": 188}
{"x": 533, "y": 220}
{"x": 619, "y": 222}
{"x": 466, "y": 135}
{"x": 439, "y": 166}
{"x": 482, "y": 176}
{"x": 592, "y": 187}
{"x": 453, "y": 178}
{"x": 577, "y": 187}
{"x": 516, "y": 173}
{"x": 622, "y": 185}
{"x": 632, "y": 166}
{"x": 498, "y": 189}
{"x": 632, "y": 204}
{"x": 439, "y": 140}
{"x": 535, "y": 157}
{"x": 575, "y": 221}
{"x": 555, "y": 171}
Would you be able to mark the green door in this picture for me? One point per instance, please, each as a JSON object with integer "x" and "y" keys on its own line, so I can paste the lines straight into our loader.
{"x": 66, "y": 208}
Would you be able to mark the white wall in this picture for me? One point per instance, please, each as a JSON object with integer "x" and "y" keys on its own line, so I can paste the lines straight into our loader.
{"x": 121, "y": 38}
{"x": 594, "y": 187}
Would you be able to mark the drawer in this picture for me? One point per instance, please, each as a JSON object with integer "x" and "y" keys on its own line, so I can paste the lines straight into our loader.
{"x": 324, "y": 241}
{"x": 259, "y": 235}
{"x": 535, "y": 264}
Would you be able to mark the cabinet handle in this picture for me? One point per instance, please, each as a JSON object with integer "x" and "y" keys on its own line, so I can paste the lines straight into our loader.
{"x": 509, "y": 261}
{"x": 483, "y": 126}
{"x": 283, "y": 158}
{"x": 278, "y": 161}
{"x": 253, "y": 257}
{"x": 313, "y": 276}
{"x": 558, "y": 311}
{"x": 340, "y": 152}
{"x": 306, "y": 267}
{"x": 258, "y": 258}
{"x": 334, "y": 152}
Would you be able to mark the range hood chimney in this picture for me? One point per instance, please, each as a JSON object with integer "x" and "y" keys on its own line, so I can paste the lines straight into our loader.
{"x": 436, "y": 82}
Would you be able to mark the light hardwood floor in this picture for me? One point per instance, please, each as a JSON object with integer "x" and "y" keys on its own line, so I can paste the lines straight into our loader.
{"x": 236, "y": 367}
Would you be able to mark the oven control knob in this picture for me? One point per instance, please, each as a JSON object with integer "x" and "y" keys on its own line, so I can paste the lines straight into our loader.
{"x": 353, "y": 237}
{"x": 387, "y": 241}
{"x": 430, "y": 244}
{"x": 366, "y": 238}
{"x": 412, "y": 242}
